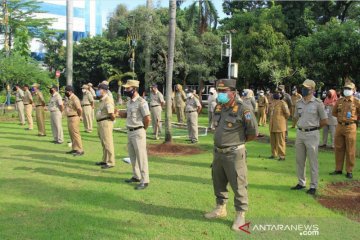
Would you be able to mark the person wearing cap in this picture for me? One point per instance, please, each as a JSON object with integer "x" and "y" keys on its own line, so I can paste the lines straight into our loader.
{"x": 235, "y": 124}
{"x": 287, "y": 98}
{"x": 105, "y": 115}
{"x": 263, "y": 105}
{"x": 311, "y": 115}
{"x": 347, "y": 112}
{"x": 19, "y": 102}
{"x": 279, "y": 113}
{"x": 39, "y": 103}
{"x": 156, "y": 103}
{"x": 180, "y": 99}
{"x": 91, "y": 89}
{"x": 109, "y": 93}
{"x": 137, "y": 121}
{"x": 73, "y": 113}
{"x": 295, "y": 96}
{"x": 211, "y": 107}
{"x": 329, "y": 102}
{"x": 192, "y": 110}
{"x": 87, "y": 104}
{"x": 56, "y": 107}
{"x": 28, "y": 101}
{"x": 249, "y": 99}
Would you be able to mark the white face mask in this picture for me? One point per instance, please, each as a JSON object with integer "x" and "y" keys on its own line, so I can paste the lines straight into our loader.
{"x": 84, "y": 90}
{"x": 261, "y": 94}
{"x": 348, "y": 93}
{"x": 189, "y": 95}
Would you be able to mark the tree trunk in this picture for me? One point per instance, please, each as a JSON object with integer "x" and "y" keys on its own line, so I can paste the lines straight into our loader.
{"x": 170, "y": 67}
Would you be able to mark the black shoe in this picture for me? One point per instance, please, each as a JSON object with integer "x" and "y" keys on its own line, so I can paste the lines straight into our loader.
{"x": 141, "y": 186}
{"x": 56, "y": 142}
{"x": 194, "y": 141}
{"x": 71, "y": 152}
{"x": 106, "y": 166}
{"x": 349, "y": 175}
{"x": 100, "y": 163}
{"x": 281, "y": 159}
{"x": 132, "y": 180}
{"x": 311, "y": 191}
{"x": 297, "y": 187}
{"x": 42, "y": 135}
{"x": 271, "y": 157}
{"x": 336, "y": 173}
{"x": 77, "y": 153}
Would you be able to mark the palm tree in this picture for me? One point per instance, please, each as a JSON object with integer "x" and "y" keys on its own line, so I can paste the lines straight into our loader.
{"x": 207, "y": 15}
{"x": 170, "y": 68}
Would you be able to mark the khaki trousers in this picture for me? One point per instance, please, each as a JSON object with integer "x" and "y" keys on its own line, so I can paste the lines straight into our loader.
{"x": 345, "y": 147}
{"x": 306, "y": 145}
{"x": 278, "y": 144}
{"x": 211, "y": 119}
{"x": 28, "y": 115}
{"x": 40, "y": 120}
{"x": 156, "y": 119}
{"x": 20, "y": 108}
{"x": 180, "y": 114}
{"x": 262, "y": 116}
{"x": 231, "y": 168}
{"x": 88, "y": 118}
{"x": 138, "y": 154}
{"x": 329, "y": 129}
{"x": 105, "y": 133}
{"x": 74, "y": 132}
{"x": 56, "y": 126}
{"x": 294, "y": 120}
{"x": 192, "y": 125}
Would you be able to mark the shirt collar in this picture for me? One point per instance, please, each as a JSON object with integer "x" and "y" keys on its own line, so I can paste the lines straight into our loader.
{"x": 135, "y": 98}
{"x": 104, "y": 97}
{"x": 350, "y": 99}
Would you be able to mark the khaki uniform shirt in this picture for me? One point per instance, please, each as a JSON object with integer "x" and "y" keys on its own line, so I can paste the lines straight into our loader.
{"x": 92, "y": 91}
{"x": 39, "y": 99}
{"x": 263, "y": 101}
{"x": 287, "y": 99}
{"x": 19, "y": 95}
{"x": 332, "y": 121}
{"x": 87, "y": 98}
{"x": 192, "y": 104}
{"x": 294, "y": 98}
{"x": 347, "y": 109}
{"x": 106, "y": 107}
{"x": 279, "y": 113}
{"x": 156, "y": 99}
{"x": 180, "y": 99}
{"x": 233, "y": 125}
{"x": 71, "y": 106}
{"x": 310, "y": 114}
{"x": 137, "y": 109}
{"x": 55, "y": 102}
{"x": 27, "y": 97}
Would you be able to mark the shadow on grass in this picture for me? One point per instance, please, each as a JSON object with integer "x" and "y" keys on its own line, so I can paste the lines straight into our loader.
{"x": 180, "y": 162}
{"x": 36, "y": 149}
{"x": 51, "y": 158}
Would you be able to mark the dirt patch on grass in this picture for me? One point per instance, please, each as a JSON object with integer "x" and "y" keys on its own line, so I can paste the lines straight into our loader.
{"x": 343, "y": 197}
{"x": 172, "y": 149}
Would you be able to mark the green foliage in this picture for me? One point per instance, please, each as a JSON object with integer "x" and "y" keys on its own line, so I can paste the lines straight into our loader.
{"x": 21, "y": 42}
{"x": 55, "y": 57}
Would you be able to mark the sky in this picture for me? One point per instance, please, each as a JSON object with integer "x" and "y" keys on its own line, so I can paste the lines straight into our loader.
{"x": 108, "y": 6}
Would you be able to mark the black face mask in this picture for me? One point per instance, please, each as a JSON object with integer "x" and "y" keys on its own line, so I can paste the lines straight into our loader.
{"x": 14, "y": 89}
{"x": 276, "y": 96}
{"x": 67, "y": 94}
{"x": 130, "y": 93}
{"x": 51, "y": 91}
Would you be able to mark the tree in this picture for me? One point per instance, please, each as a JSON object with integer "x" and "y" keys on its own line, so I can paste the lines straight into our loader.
{"x": 207, "y": 15}
{"x": 55, "y": 57}
{"x": 21, "y": 42}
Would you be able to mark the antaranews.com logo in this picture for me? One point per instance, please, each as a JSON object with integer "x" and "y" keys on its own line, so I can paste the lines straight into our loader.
{"x": 302, "y": 229}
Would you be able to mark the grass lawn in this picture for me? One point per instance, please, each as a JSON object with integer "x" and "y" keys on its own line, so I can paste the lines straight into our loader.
{"x": 46, "y": 194}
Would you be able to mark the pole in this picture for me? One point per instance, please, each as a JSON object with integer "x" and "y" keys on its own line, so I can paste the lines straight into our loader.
{"x": 230, "y": 54}
{"x": 69, "y": 42}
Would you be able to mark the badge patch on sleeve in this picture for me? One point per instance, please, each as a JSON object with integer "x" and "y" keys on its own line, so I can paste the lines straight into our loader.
{"x": 247, "y": 115}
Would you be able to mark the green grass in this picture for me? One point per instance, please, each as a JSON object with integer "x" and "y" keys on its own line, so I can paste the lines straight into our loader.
{"x": 46, "y": 194}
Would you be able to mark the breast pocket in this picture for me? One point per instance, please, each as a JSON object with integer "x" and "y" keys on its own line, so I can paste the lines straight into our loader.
{"x": 300, "y": 111}
{"x": 230, "y": 124}
{"x": 133, "y": 112}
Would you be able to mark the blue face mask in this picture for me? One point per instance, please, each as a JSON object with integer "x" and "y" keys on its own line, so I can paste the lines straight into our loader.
{"x": 305, "y": 92}
{"x": 98, "y": 94}
{"x": 223, "y": 98}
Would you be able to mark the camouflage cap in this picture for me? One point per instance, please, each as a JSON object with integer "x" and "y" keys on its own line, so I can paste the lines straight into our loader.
{"x": 225, "y": 83}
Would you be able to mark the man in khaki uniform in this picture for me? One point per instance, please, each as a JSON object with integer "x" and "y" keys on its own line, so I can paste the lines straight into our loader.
{"x": 180, "y": 99}
{"x": 279, "y": 113}
{"x": 39, "y": 103}
{"x": 56, "y": 107}
{"x": 235, "y": 124}
{"x": 137, "y": 121}
{"x": 20, "y": 103}
{"x": 93, "y": 94}
{"x": 211, "y": 107}
{"x": 156, "y": 103}
{"x": 109, "y": 93}
{"x": 73, "y": 113}
{"x": 87, "y": 104}
{"x": 105, "y": 116}
{"x": 28, "y": 101}
{"x": 347, "y": 112}
{"x": 294, "y": 98}
{"x": 192, "y": 110}
{"x": 287, "y": 99}
{"x": 263, "y": 105}
{"x": 311, "y": 116}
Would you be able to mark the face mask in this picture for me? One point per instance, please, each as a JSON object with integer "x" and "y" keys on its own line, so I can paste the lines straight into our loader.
{"x": 84, "y": 91}
{"x": 223, "y": 98}
{"x": 51, "y": 91}
{"x": 261, "y": 94}
{"x": 98, "y": 93}
{"x": 14, "y": 89}
{"x": 67, "y": 94}
{"x": 276, "y": 96}
{"x": 130, "y": 93}
{"x": 189, "y": 95}
{"x": 305, "y": 92}
{"x": 244, "y": 94}
{"x": 32, "y": 89}
{"x": 294, "y": 92}
{"x": 348, "y": 93}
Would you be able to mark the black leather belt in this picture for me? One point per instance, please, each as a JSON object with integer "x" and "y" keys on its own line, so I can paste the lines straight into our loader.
{"x": 103, "y": 119}
{"x": 133, "y": 129}
{"x": 72, "y": 116}
{"x": 191, "y": 111}
{"x": 155, "y": 106}
{"x": 308, "y": 129}
{"x": 39, "y": 106}
{"x": 26, "y": 103}
{"x": 86, "y": 105}
{"x": 346, "y": 123}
